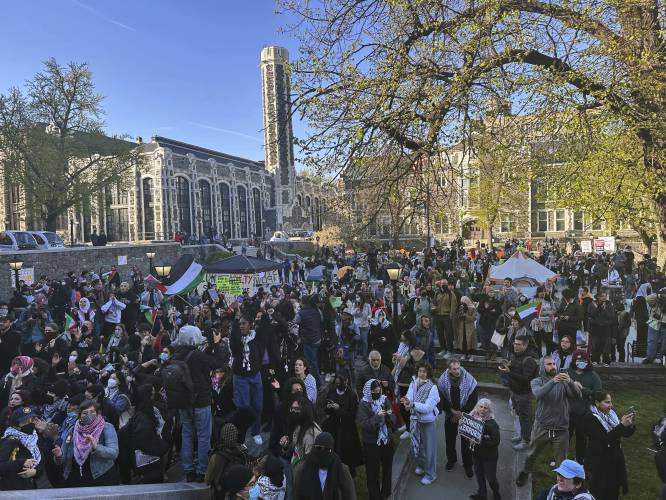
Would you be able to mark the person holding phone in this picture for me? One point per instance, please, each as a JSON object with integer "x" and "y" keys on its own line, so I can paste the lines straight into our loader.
{"x": 604, "y": 459}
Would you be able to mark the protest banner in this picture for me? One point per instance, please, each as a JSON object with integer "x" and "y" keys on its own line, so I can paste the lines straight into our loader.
{"x": 471, "y": 428}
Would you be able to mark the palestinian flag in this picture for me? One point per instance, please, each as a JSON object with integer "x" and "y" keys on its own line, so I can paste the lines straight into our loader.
{"x": 69, "y": 322}
{"x": 185, "y": 276}
{"x": 150, "y": 315}
{"x": 152, "y": 280}
{"x": 530, "y": 309}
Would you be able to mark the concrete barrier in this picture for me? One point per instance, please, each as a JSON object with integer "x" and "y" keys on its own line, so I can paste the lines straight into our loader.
{"x": 165, "y": 491}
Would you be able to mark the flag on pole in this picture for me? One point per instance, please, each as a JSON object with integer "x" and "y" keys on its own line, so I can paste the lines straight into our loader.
{"x": 150, "y": 315}
{"x": 69, "y": 322}
{"x": 532, "y": 308}
{"x": 185, "y": 276}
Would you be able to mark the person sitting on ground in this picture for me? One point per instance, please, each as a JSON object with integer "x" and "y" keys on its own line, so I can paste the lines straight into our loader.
{"x": 20, "y": 456}
{"x": 570, "y": 483}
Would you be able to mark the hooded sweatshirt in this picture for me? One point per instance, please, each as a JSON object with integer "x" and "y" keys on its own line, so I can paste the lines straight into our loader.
{"x": 552, "y": 411}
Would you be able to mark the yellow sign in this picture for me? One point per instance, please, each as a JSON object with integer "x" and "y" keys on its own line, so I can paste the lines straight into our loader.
{"x": 230, "y": 284}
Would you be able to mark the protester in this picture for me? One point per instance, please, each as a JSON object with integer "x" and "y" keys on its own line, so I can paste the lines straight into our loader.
{"x": 20, "y": 454}
{"x": 375, "y": 370}
{"x": 486, "y": 453}
{"x": 570, "y": 483}
{"x": 584, "y": 376}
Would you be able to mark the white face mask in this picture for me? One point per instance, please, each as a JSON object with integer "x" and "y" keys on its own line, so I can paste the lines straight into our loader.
{"x": 112, "y": 383}
{"x": 72, "y": 359}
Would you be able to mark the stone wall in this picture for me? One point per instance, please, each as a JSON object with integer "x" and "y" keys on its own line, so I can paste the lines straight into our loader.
{"x": 57, "y": 263}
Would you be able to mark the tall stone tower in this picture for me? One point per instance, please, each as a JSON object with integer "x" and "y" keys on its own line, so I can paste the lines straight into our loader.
{"x": 278, "y": 134}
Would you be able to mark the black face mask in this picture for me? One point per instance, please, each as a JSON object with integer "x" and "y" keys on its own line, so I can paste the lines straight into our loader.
{"x": 376, "y": 396}
{"x": 321, "y": 459}
{"x": 28, "y": 429}
{"x": 295, "y": 417}
{"x": 341, "y": 387}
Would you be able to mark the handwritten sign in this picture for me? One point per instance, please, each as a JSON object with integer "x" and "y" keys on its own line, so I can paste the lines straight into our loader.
{"x": 236, "y": 284}
{"x": 471, "y": 428}
{"x": 26, "y": 274}
{"x": 229, "y": 284}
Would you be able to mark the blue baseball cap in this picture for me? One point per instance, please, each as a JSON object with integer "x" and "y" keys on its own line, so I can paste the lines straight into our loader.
{"x": 570, "y": 469}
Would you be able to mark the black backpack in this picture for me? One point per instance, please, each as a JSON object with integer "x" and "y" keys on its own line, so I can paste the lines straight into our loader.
{"x": 177, "y": 381}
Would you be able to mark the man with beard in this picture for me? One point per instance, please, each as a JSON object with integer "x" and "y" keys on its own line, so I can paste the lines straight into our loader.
{"x": 322, "y": 476}
{"x": 375, "y": 370}
{"x": 10, "y": 340}
{"x": 553, "y": 391}
{"x": 131, "y": 312}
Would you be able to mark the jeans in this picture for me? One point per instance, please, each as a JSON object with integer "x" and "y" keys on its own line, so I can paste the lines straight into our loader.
{"x": 289, "y": 476}
{"x": 197, "y": 424}
{"x": 540, "y": 438}
{"x": 311, "y": 352}
{"x": 656, "y": 342}
{"x": 363, "y": 346}
{"x": 427, "y": 455}
{"x": 249, "y": 393}
{"x": 486, "y": 470}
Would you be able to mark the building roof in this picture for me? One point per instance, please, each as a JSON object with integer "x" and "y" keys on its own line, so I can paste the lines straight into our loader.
{"x": 184, "y": 148}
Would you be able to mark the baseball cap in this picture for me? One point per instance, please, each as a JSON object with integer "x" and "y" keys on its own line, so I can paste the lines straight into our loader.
{"x": 570, "y": 469}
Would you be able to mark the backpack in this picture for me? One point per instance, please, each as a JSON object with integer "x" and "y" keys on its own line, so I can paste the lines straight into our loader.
{"x": 218, "y": 463}
{"x": 177, "y": 381}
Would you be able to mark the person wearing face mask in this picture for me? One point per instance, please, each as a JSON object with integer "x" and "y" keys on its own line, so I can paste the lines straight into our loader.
{"x": 89, "y": 452}
{"x": 604, "y": 458}
{"x": 570, "y": 314}
{"x": 117, "y": 406}
{"x": 570, "y": 483}
{"x": 302, "y": 430}
{"x": 588, "y": 381}
{"x": 20, "y": 455}
{"x": 341, "y": 407}
{"x": 322, "y": 475}
{"x": 20, "y": 376}
{"x": 374, "y": 420}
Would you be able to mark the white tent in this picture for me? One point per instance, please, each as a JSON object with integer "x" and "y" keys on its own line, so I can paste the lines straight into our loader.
{"x": 521, "y": 268}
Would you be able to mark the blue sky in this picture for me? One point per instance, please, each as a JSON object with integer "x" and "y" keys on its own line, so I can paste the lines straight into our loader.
{"x": 188, "y": 70}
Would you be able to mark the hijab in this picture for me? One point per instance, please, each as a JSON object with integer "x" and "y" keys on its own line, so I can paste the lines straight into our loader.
{"x": 377, "y": 405}
{"x": 375, "y": 321}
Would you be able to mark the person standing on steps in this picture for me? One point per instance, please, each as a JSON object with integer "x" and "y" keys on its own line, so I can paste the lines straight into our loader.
{"x": 421, "y": 401}
{"x": 521, "y": 370}
{"x": 553, "y": 391}
{"x": 458, "y": 391}
{"x": 485, "y": 453}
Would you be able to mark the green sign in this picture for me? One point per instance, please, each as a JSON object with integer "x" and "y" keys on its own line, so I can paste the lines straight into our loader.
{"x": 230, "y": 284}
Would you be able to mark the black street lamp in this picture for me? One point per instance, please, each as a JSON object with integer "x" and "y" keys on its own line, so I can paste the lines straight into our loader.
{"x": 393, "y": 271}
{"x": 16, "y": 265}
{"x": 162, "y": 271}
{"x": 151, "y": 256}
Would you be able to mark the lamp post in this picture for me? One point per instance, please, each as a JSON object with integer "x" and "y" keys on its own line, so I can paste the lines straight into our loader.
{"x": 151, "y": 256}
{"x": 162, "y": 271}
{"x": 317, "y": 239}
{"x": 16, "y": 265}
{"x": 393, "y": 271}
{"x": 71, "y": 232}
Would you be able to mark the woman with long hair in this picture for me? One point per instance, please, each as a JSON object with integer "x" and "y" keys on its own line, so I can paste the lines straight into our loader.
{"x": 302, "y": 372}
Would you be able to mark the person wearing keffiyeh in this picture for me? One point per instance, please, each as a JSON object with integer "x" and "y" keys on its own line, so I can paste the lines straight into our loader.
{"x": 459, "y": 395}
{"x": 20, "y": 456}
{"x": 604, "y": 458}
{"x": 373, "y": 416}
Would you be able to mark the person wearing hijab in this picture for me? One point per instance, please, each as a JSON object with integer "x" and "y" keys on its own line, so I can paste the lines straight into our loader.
{"x": 84, "y": 312}
{"x": 322, "y": 475}
{"x": 373, "y": 417}
{"x": 89, "y": 451}
{"x": 604, "y": 458}
{"x": 485, "y": 453}
{"x": 458, "y": 390}
{"x": 421, "y": 401}
{"x": 341, "y": 408}
{"x": 227, "y": 453}
{"x": 20, "y": 376}
{"x": 382, "y": 338}
{"x": 20, "y": 456}
{"x": 641, "y": 313}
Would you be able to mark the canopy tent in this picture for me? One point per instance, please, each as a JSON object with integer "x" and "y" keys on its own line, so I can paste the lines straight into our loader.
{"x": 242, "y": 264}
{"x": 521, "y": 268}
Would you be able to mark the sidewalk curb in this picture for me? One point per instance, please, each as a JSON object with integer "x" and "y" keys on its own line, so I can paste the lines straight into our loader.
{"x": 402, "y": 462}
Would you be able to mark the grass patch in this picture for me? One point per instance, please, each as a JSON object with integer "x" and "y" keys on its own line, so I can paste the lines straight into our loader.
{"x": 217, "y": 255}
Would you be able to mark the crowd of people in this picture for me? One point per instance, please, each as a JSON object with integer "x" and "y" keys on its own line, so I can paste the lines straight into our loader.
{"x": 108, "y": 381}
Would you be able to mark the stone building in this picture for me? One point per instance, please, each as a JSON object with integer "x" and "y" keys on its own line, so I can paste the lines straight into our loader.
{"x": 198, "y": 191}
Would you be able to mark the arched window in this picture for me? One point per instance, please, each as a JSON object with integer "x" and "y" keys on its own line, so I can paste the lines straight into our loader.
{"x": 225, "y": 195}
{"x": 242, "y": 210}
{"x": 300, "y": 200}
{"x": 183, "y": 204}
{"x": 206, "y": 208}
{"x": 317, "y": 215}
{"x": 258, "y": 216}
{"x": 148, "y": 210}
{"x": 308, "y": 208}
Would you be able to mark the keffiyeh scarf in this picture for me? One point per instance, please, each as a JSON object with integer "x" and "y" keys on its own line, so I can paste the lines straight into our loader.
{"x": 269, "y": 491}
{"x": 609, "y": 420}
{"x": 246, "y": 339}
{"x": 421, "y": 396}
{"x": 467, "y": 385}
{"x": 377, "y": 405}
{"x": 27, "y": 440}
{"x": 82, "y": 447}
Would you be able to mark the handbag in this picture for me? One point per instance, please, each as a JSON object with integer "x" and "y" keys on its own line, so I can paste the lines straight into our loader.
{"x": 498, "y": 338}
{"x": 142, "y": 459}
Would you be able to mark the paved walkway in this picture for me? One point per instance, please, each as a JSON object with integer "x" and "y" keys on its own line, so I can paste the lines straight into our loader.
{"x": 454, "y": 485}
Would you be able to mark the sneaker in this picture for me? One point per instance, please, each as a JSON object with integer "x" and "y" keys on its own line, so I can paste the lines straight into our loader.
{"x": 516, "y": 439}
{"x": 257, "y": 440}
{"x": 419, "y": 471}
{"x": 450, "y": 465}
{"x": 522, "y": 479}
{"x": 190, "y": 477}
{"x": 469, "y": 472}
{"x": 402, "y": 429}
{"x": 521, "y": 446}
{"x": 405, "y": 435}
{"x": 426, "y": 480}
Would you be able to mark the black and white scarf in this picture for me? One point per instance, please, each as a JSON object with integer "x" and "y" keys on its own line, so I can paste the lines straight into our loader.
{"x": 608, "y": 420}
{"x": 246, "y": 339}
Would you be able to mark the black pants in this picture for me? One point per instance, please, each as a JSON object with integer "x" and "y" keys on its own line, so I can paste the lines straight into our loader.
{"x": 444, "y": 329}
{"x": 451, "y": 433}
{"x": 486, "y": 470}
{"x": 600, "y": 340}
{"x": 521, "y": 405}
{"x": 378, "y": 457}
{"x": 581, "y": 437}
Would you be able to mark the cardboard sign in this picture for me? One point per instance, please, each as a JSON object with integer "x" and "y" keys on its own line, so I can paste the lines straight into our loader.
{"x": 586, "y": 246}
{"x": 26, "y": 274}
{"x": 229, "y": 284}
{"x": 471, "y": 428}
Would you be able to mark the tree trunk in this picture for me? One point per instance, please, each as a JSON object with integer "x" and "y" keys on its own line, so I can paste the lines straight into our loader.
{"x": 660, "y": 206}
{"x": 51, "y": 220}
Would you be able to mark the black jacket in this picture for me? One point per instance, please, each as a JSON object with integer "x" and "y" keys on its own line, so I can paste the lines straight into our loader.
{"x": 368, "y": 373}
{"x": 369, "y": 422}
{"x": 9, "y": 349}
{"x": 522, "y": 370}
{"x": 12, "y": 456}
{"x": 574, "y": 314}
{"x": 257, "y": 346}
{"x": 201, "y": 364}
{"x": 310, "y": 324}
{"x": 487, "y": 448}
{"x": 144, "y": 437}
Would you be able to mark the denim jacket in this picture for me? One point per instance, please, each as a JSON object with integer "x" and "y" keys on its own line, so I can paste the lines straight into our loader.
{"x": 101, "y": 460}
